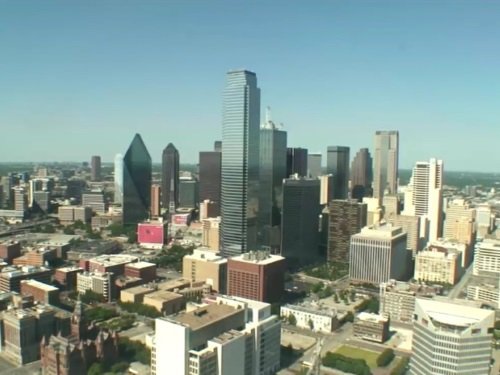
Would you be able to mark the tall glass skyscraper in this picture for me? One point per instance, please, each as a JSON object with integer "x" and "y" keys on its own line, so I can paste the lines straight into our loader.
{"x": 361, "y": 175}
{"x": 170, "y": 177}
{"x": 240, "y": 163}
{"x": 337, "y": 164}
{"x": 136, "y": 182}
{"x": 273, "y": 157}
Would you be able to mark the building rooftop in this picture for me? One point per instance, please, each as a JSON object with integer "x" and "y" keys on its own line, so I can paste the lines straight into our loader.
{"x": 163, "y": 296}
{"x": 69, "y": 269}
{"x": 13, "y": 271}
{"x": 454, "y": 314}
{"x": 138, "y": 290}
{"x": 39, "y": 285}
{"x": 227, "y": 336}
{"x": 258, "y": 257}
{"x": 114, "y": 259}
{"x": 313, "y": 309}
{"x": 174, "y": 284}
{"x": 204, "y": 316}
{"x": 140, "y": 265}
{"x": 374, "y": 318}
{"x": 382, "y": 231}
{"x": 206, "y": 255}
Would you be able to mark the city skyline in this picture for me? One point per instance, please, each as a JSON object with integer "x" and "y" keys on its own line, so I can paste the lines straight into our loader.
{"x": 402, "y": 77}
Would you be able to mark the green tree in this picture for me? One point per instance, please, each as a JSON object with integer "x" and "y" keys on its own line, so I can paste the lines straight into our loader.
{"x": 497, "y": 324}
{"x": 385, "y": 357}
{"x": 69, "y": 230}
{"x": 311, "y": 324}
{"x": 292, "y": 320}
{"x": 316, "y": 288}
{"x": 96, "y": 369}
{"x": 78, "y": 224}
{"x": 120, "y": 367}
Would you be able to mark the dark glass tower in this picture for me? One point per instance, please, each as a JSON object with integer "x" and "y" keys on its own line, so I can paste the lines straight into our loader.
{"x": 210, "y": 177}
{"x": 300, "y": 223}
{"x": 272, "y": 172}
{"x": 170, "y": 177}
{"x": 240, "y": 163}
{"x": 337, "y": 164}
{"x": 361, "y": 175}
{"x": 296, "y": 161}
{"x": 95, "y": 168}
{"x": 136, "y": 182}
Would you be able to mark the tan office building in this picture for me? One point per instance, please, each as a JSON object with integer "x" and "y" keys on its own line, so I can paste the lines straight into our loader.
{"x": 206, "y": 266}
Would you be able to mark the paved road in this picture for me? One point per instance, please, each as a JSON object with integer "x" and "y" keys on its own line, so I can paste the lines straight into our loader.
{"x": 455, "y": 292}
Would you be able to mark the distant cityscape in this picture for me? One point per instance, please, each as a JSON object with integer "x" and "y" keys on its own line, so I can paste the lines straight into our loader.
{"x": 260, "y": 259}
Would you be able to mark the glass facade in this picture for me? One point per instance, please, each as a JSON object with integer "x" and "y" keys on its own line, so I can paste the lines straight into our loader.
{"x": 136, "y": 182}
{"x": 337, "y": 164}
{"x": 210, "y": 177}
{"x": 169, "y": 172}
{"x": 296, "y": 161}
{"x": 240, "y": 163}
{"x": 273, "y": 154}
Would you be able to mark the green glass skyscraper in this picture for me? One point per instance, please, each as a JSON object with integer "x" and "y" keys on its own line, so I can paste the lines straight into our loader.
{"x": 136, "y": 182}
{"x": 240, "y": 163}
{"x": 273, "y": 164}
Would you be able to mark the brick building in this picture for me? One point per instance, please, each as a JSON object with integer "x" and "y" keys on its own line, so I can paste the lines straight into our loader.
{"x": 41, "y": 292}
{"x": 10, "y": 250}
{"x": 143, "y": 270}
{"x": 66, "y": 277}
{"x": 256, "y": 275}
{"x": 11, "y": 277}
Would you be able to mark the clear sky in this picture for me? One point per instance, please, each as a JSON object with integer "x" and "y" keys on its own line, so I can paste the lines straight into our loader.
{"x": 79, "y": 78}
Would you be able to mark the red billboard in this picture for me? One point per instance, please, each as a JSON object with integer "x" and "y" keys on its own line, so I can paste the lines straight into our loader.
{"x": 148, "y": 233}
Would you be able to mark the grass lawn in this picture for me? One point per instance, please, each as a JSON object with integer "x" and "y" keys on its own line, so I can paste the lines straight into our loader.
{"x": 358, "y": 353}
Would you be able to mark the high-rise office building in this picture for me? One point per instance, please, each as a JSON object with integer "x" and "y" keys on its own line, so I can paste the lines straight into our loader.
{"x": 314, "y": 165}
{"x": 95, "y": 168}
{"x": 487, "y": 258}
{"x": 155, "y": 200}
{"x": 272, "y": 171}
{"x": 346, "y": 218}
{"x": 240, "y": 163}
{"x": 411, "y": 225}
{"x": 136, "y": 182}
{"x": 118, "y": 175}
{"x": 361, "y": 175}
{"x": 385, "y": 161}
{"x": 424, "y": 198}
{"x": 300, "y": 221}
{"x": 170, "y": 177}
{"x": 188, "y": 193}
{"x": 337, "y": 164}
{"x": 451, "y": 338}
{"x": 218, "y": 146}
{"x": 296, "y": 161}
{"x": 232, "y": 336}
{"x": 378, "y": 254}
{"x": 210, "y": 177}
{"x": 460, "y": 221}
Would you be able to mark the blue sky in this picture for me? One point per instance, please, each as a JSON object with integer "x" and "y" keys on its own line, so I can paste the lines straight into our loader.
{"x": 80, "y": 78}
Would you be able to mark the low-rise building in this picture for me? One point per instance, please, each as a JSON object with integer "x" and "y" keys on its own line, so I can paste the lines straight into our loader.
{"x": 371, "y": 327}
{"x": 143, "y": 270}
{"x": 165, "y": 302}
{"x": 206, "y": 266}
{"x": 152, "y": 234}
{"x": 41, "y": 292}
{"x": 10, "y": 250}
{"x": 113, "y": 263}
{"x": 36, "y": 257}
{"x": 311, "y": 317}
{"x": 66, "y": 277}
{"x": 101, "y": 283}
{"x": 135, "y": 294}
{"x": 11, "y": 277}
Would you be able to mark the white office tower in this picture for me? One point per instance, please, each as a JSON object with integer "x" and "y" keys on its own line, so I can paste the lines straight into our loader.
{"x": 424, "y": 197}
{"x": 485, "y": 220}
{"x": 385, "y": 164}
{"x": 118, "y": 179}
{"x": 378, "y": 254}
{"x": 487, "y": 258}
{"x": 229, "y": 336}
{"x": 451, "y": 339}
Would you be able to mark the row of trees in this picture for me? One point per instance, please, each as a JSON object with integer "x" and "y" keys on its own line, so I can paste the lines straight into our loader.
{"x": 139, "y": 308}
{"x": 346, "y": 364}
{"x": 385, "y": 357}
{"x": 329, "y": 271}
{"x": 172, "y": 258}
{"x": 371, "y": 305}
